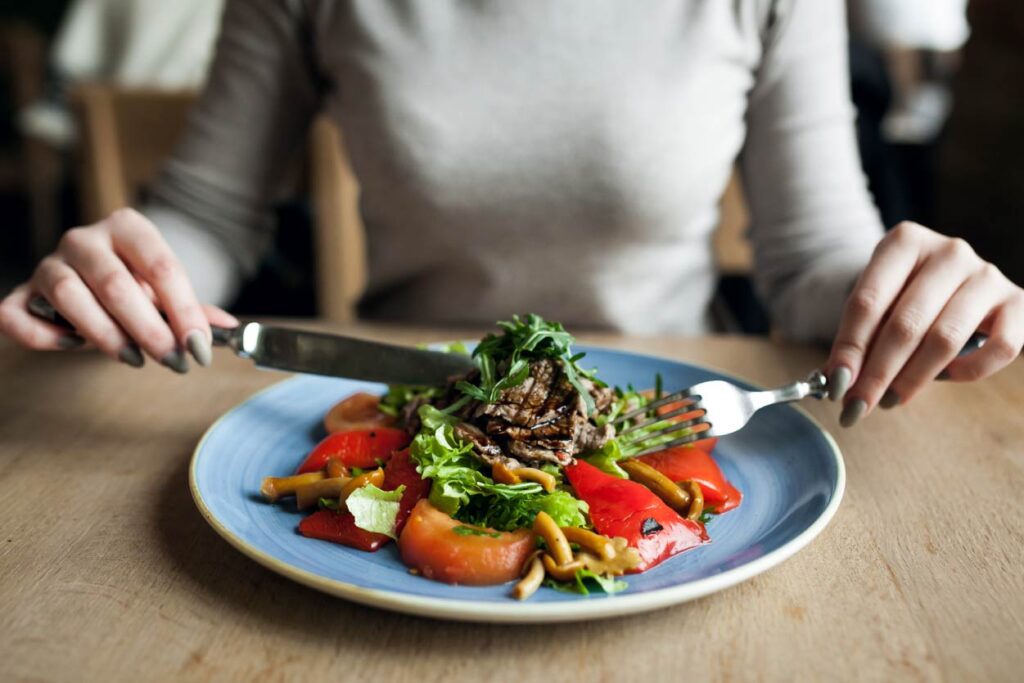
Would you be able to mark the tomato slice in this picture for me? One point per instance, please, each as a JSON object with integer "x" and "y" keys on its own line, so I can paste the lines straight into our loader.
{"x": 620, "y": 507}
{"x": 358, "y": 411}
{"x": 401, "y": 471}
{"x": 340, "y": 527}
{"x": 357, "y": 448}
{"x": 430, "y": 544}
{"x": 689, "y": 462}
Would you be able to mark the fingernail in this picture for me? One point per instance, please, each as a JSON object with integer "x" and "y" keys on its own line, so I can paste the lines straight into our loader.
{"x": 175, "y": 360}
{"x": 131, "y": 355}
{"x": 890, "y": 399}
{"x": 852, "y": 412}
{"x": 839, "y": 382}
{"x": 199, "y": 346}
{"x": 70, "y": 341}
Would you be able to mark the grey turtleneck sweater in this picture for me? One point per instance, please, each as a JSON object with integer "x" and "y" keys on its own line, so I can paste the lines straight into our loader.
{"x": 564, "y": 158}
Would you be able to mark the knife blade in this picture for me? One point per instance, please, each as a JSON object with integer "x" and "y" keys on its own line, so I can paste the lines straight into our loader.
{"x": 318, "y": 353}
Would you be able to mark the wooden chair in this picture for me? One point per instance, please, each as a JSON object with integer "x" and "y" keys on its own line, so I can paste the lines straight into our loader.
{"x": 127, "y": 133}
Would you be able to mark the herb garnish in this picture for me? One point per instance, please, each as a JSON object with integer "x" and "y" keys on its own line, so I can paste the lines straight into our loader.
{"x": 523, "y": 341}
{"x": 463, "y": 530}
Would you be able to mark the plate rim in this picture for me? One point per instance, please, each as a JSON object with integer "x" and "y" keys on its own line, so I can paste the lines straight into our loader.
{"x": 516, "y": 612}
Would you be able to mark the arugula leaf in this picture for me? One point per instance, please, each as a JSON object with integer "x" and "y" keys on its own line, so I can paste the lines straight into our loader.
{"x": 328, "y": 503}
{"x": 587, "y": 581}
{"x": 707, "y": 514}
{"x": 521, "y": 341}
{"x": 375, "y": 509}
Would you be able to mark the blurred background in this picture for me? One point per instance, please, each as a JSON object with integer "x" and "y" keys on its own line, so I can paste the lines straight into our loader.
{"x": 93, "y": 94}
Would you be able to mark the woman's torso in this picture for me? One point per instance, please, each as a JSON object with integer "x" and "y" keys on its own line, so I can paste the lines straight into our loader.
{"x": 560, "y": 158}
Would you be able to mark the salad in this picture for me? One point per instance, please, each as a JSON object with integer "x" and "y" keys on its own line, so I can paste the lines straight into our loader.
{"x": 524, "y": 470}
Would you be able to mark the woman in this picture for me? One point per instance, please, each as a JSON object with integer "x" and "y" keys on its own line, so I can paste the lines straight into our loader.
{"x": 564, "y": 158}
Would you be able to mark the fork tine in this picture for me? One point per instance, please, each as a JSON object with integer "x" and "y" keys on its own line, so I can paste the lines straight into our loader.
{"x": 688, "y": 439}
{"x": 672, "y": 429}
{"x": 653, "y": 405}
{"x": 685, "y": 410}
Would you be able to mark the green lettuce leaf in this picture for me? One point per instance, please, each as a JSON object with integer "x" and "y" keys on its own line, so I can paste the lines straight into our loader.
{"x": 460, "y": 487}
{"x": 587, "y": 581}
{"x": 375, "y": 509}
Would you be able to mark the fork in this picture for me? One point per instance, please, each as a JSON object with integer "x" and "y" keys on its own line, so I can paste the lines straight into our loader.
{"x": 730, "y": 407}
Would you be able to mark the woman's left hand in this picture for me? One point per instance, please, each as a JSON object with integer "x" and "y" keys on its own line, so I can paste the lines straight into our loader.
{"x": 913, "y": 308}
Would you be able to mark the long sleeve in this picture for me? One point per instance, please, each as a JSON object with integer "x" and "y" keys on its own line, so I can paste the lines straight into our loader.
{"x": 213, "y": 196}
{"x": 814, "y": 225}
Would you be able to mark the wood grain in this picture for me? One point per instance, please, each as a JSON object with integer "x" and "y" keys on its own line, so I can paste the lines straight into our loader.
{"x": 108, "y": 572}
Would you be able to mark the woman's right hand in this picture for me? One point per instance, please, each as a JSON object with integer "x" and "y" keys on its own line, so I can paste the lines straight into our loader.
{"x": 111, "y": 280}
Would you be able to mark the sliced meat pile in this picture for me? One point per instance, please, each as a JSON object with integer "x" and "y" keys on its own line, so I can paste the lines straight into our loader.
{"x": 544, "y": 419}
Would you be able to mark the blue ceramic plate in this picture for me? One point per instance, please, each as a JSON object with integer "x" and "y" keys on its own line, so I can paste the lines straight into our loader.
{"x": 789, "y": 469}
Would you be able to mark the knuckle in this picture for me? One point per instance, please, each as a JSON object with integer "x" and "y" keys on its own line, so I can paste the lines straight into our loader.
{"x": 126, "y": 216}
{"x": 957, "y": 249}
{"x": 864, "y": 301}
{"x": 947, "y": 338}
{"x": 1001, "y": 350}
{"x": 849, "y": 348}
{"x": 904, "y": 231}
{"x": 114, "y": 288}
{"x": 160, "y": 268}
{"x": 991, "y": 273}
{"x": 75, "y": 240}
{"x": 905, "y": 326}
{"x": 62, "y": 288}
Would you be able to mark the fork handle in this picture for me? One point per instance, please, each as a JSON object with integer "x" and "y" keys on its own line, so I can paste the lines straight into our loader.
{"x": 815, "y": 385}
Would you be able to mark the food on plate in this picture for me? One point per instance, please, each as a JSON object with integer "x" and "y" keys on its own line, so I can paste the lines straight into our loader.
{"x": 512, "y": 472}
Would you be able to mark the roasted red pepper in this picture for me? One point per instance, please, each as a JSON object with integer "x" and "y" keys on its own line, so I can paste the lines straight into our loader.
{"x": 340, "y": 527}
{"x": 401, "y": 470}
{"x": 619, "y": 507}
{"x": 688, "y": 462}
{"x": 356, "y": 448}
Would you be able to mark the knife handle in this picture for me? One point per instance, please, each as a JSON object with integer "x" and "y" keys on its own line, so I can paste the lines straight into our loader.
{"x": 41, "y": 308}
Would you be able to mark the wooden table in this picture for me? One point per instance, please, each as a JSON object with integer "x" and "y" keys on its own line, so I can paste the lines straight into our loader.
{"x": 108, "y": 572}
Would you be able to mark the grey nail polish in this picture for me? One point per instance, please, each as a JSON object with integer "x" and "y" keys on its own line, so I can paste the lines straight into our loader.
{"x": 852, "y": 413}
{"x": 131, "y": 355}
{"x": 839, "y": 382}
{"x": 70, "y": 341}
{"x": 890, "y": 399}
{"x": 175, "y": 360}
{"x": 199, "y": 346}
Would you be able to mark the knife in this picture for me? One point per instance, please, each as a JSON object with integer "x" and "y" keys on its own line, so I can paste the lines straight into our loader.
{"x": 318, "y": 353}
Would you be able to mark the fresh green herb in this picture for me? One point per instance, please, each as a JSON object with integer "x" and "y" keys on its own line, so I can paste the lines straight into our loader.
{"x": 706, "y": 515}
{"x": 356, "y": 471}
{"x": 328, "y": 503}
{"x": 463, "y": 530}
{"x": 461, "y": 489}
{"x": 658, "y": 386}
{"x": 607, "y": 459}
{"x": 399, "y": 395}
{"x": 587, "y": 581}
{"x": 375, "y": 509}
{"x": 522, "y": 341}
